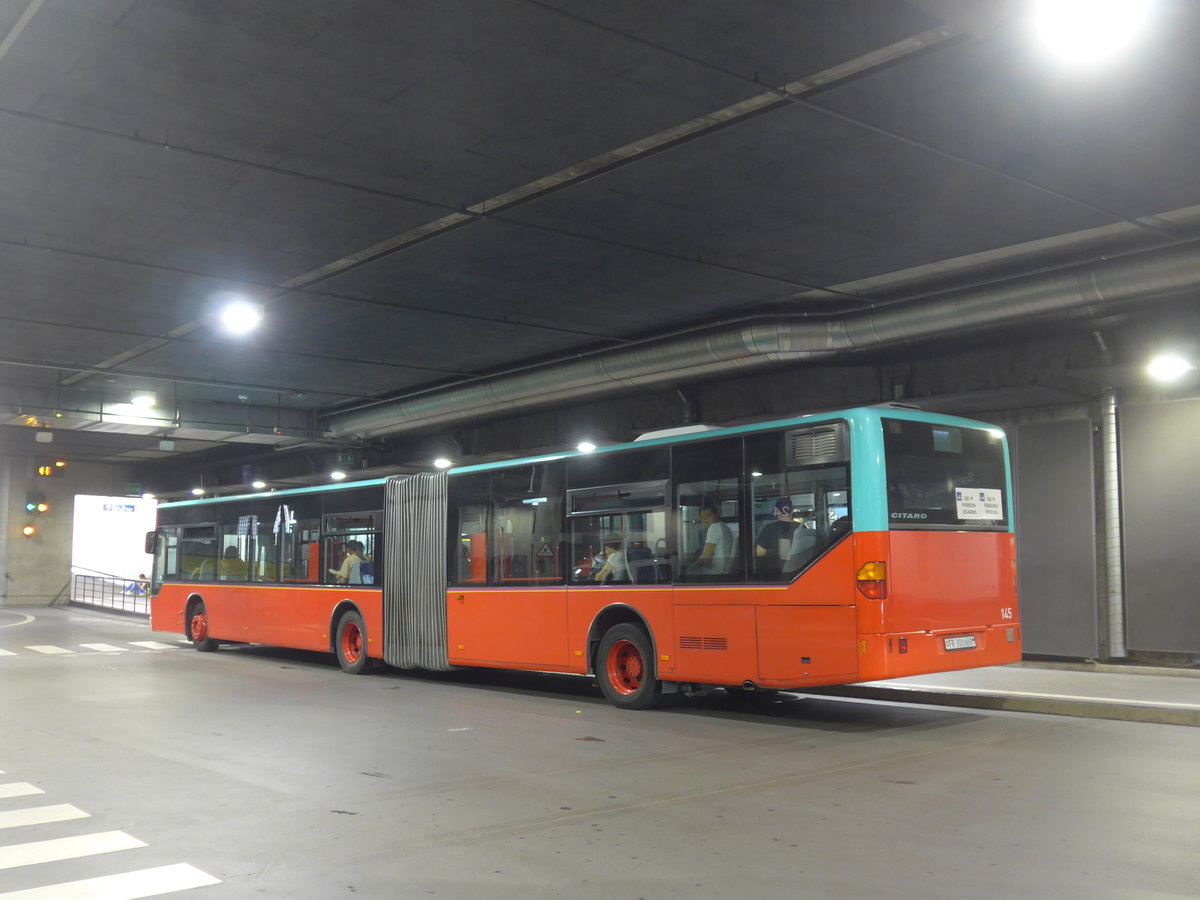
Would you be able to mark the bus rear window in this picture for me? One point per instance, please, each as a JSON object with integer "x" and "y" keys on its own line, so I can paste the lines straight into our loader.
{"x": 942, "y": 476}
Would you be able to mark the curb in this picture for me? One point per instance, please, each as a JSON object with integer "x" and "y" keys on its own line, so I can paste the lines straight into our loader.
{"x": 1088, "y": 709}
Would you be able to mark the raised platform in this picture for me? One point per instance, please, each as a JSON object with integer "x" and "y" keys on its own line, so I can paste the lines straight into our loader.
{"x": 1090, "y": 690}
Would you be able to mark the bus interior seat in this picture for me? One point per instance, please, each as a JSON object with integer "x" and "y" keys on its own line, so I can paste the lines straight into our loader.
{"x": 637, "y": 559}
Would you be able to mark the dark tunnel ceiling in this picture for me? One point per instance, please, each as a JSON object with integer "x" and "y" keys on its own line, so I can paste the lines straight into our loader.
{"x": 426, "y": 193}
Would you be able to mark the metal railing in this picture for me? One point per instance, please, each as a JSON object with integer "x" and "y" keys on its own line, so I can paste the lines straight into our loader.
{"x": 108, "y": 592}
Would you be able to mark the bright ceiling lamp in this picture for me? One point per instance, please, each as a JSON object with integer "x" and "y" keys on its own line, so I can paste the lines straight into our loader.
{"x": 241, "y": 316}
{"x": 586, "y": 447}
{"x": 442, "y": 463}
{"x": 1088, "y": 32}
{"x": 1167, "y": 368}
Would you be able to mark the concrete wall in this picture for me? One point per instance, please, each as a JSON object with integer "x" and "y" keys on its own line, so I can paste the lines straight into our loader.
{"x": 1057, "y": 541}
{"x": 36, "y": 570}
{"x": 1160, "y": 463}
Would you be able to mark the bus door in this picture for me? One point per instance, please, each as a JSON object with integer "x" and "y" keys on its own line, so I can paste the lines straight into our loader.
{"x": 507, "y": 602}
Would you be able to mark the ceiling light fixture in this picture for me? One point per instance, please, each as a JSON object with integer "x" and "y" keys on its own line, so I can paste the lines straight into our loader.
{"x": 586, "y": 447}
{"x": 442, "y": 463}
{"x": 337, "y": 475}
{"x": 1168, "y": 368}
{"x": 1087, "y": 32}
{"x": 241, "y": 316}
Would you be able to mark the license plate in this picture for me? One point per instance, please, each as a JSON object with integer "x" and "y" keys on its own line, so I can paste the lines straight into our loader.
{"x": 960, "y": 642}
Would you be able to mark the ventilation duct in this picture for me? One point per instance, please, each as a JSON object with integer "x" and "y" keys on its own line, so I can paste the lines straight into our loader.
{"x": 751, "y": 346}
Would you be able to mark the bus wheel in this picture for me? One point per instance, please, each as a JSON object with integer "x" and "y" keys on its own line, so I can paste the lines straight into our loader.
{"x": 351, "y": 644}
{"x": 625, "y": 668}
{"x": 198, "y": 629}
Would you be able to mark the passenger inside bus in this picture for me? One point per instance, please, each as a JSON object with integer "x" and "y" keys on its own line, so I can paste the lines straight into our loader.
{"x": 774, "y": 544}
{"x": 614, "y": 568}
{"x": 718, "y": 548}
{"x": 230, "y": 568}
{"x": 351, "y": 568}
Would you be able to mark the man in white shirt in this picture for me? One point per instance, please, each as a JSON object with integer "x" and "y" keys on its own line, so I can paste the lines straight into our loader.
{"x": 717, "y": 553}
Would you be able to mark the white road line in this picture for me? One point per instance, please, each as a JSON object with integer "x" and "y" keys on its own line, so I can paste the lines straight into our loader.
{"x": 66, "y": 848}
{"x": 127, "y": 886}
{"x": 40, "y": 815}
{"x": 18, "y": 789}
{"x": 155, "y": 645}
{"x": 7, "y": 653}
{"x": 104, "y": 648}
{"x": 48, "y": 649}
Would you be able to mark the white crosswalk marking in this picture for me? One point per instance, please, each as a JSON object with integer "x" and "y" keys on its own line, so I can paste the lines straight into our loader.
{"x": 127, "y": 886}
{"x": 104, "y": 648}
{"x": 48, "y": 649}
{"x": 18, "y": 789}
{"x": 66, "y": 848}
{"x": 40, "y": 815}
{"x": 155, "y": 645}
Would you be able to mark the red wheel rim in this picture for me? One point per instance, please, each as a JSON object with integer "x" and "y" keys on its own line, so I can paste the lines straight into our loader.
{"x": 351, "y": 643}
{"x": 199, "y": 626}
{"x": 626, "y": 668}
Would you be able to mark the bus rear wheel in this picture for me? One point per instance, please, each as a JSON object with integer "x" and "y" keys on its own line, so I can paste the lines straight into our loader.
{"x": 198, "y": 629}
{"x": 350, "y": 642}
{"x": 625, "y": 668}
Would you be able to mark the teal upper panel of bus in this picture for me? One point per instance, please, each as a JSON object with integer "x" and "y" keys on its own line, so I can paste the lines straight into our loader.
{"x": 870, "y": 507}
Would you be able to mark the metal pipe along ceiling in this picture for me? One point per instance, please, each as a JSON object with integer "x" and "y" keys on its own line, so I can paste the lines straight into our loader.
{"x": 746, "y": 347}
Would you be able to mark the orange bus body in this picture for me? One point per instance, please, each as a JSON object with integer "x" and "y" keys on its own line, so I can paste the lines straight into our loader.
{"x": 818, "y": 630}
{"x": 282, "y": 615}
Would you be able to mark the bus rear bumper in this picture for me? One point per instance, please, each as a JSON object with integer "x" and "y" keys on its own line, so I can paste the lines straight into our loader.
{"x": 943, "y": 650}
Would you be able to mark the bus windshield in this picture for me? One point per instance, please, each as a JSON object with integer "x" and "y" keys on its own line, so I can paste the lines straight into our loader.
{"x": 944, "y": 476}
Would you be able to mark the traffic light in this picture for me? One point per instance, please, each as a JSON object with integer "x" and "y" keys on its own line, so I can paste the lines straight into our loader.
{"x": 49, "y": 470}
{"x": 35, "y": 502}
{"x": 29, "y": 530}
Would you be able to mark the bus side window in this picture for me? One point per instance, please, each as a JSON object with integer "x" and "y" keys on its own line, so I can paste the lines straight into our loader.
{"x": 467, "y": 522}
{"x": 526, "y": 510}
{"x": 795, "y": 504}
{"x": 708, "y": 502}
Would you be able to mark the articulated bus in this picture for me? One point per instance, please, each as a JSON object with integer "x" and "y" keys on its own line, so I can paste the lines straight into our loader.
{"x": 824, "y": 549}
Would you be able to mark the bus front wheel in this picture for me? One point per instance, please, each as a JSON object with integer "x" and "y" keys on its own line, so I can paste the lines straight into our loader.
{"x": 625, "y": 668}
{"x": 198, "y": 629}
{"x": 350, "y": 642}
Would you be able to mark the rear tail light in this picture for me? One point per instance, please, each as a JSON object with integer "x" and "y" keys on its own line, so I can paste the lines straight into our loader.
{"x": 872, "y": 580}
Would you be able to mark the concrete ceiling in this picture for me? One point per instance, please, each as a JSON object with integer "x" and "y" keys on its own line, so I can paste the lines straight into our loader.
{"x": 429, "y": 193}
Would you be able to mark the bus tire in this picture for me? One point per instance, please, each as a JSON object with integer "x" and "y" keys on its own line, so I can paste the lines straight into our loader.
{"x": 198, "y": 628}
{"x": 625, "y": 668}
{"x": 350, "y": 643}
